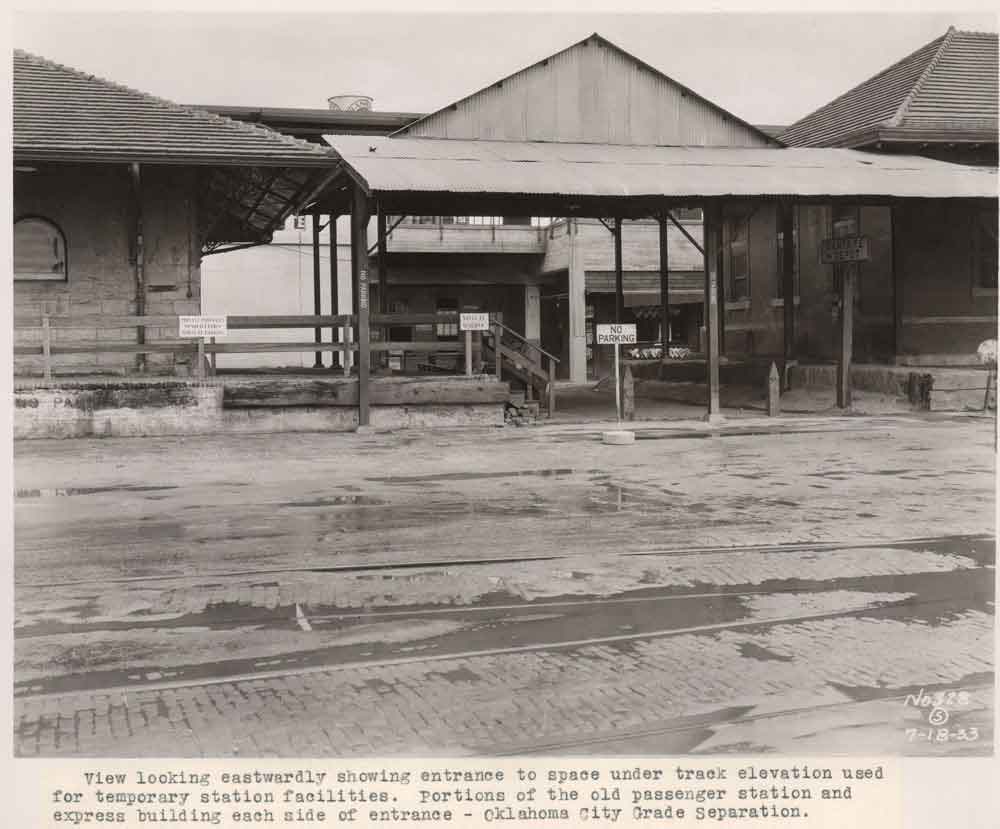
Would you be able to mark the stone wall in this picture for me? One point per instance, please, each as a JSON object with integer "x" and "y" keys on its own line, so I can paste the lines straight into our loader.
{"x": 93, "y": 206}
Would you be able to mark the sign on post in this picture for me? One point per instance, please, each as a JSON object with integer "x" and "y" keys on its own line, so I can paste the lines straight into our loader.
{"x": 621, "y": 333}
{"x": 617, "y": 334}
{"x": 201, "y": 326}
{"x": 474, "y": 322}
{"x": 844, "y": 249}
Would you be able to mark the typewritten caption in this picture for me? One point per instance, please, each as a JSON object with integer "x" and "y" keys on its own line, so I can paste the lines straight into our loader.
{"x": 625, "y": 792}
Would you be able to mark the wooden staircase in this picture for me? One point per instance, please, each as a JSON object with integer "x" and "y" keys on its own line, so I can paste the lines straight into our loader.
{"x": 524, "y": 361}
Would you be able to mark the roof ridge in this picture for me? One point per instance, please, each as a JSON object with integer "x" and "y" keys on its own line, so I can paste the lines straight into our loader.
{"x": 897, "y": 117}
{"x": 891, "y": 67}
{"x": 172, "y": 106}
{"x": 599, "y": 37}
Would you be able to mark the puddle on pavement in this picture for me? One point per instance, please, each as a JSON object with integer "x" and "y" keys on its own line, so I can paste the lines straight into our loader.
{"x": 475, "y": 476}
{"x": 336, "y": 501}
{"x": 86, "y": 490}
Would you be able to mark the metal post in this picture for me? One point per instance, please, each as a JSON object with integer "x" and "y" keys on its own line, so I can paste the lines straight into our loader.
{"x": 317, "y": 305}
{"x": 212, "y": 356}
{"x": 619, "y": 287}
{"x": 468, "y": 353}
{"x": 334, "y": 296}
{"x": 618, "y": 384}
{"x": 712, "y": 214}
{"x": 664, "y": 286}
{"x": 359, "y": 272}
{"x": 787, "y": 276}
{"x": 846, "y": 336}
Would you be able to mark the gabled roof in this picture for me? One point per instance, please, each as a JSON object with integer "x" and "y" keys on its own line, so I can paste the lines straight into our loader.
{"x": 592, "y": 91}
{"x": 62, "y": 114}
{"x": 945, "y": 91}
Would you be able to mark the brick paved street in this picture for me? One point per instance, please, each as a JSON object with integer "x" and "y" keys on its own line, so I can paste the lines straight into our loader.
{"x": 742, "y": 592}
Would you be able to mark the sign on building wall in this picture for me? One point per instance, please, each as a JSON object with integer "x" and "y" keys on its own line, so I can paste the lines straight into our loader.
{"x": 844, "y": 249}
{"x": 622, "y": 333}
{"x": 474, "y": 322}
{"x": 202, "y": 326}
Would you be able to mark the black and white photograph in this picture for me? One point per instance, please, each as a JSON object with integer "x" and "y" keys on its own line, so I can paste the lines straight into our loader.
{"x": 567, "y": 385}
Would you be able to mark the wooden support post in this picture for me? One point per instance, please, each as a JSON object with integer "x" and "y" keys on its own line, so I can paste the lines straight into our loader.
{"x": 383, "y": 280}
{"x": 317, "y": 304}
{"x": 664, "y": 286}
{"x": 619, "y": 287}
{"x": 551, "y": 388}
{"x": 334, "y": 295}
{"x": 846, "y": 336}
{"x": 897, "y": 287}
{"x": 199, "y": 366}
{"x": 468, "y": 353}
{"x": 359, "y": 273}
{"x": 773, "y": 392}
{"x": 628, "y": 394}
{"x": 787, "y": 276}
{"x": 46, "y": 347}
{"x": 497, "y": 336}
{"x": 712, "y": 214}
{"x": 140, "y": 262}
{"x": 212, "y": 357}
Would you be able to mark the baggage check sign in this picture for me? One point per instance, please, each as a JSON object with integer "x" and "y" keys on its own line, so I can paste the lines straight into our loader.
{"x": 202, "y": 326}
{"x": 474, "y": 322}
{"x": 616, "y": 334}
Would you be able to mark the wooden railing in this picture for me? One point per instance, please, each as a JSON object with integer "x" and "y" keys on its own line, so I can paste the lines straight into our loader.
{"x": 528, "y": 361}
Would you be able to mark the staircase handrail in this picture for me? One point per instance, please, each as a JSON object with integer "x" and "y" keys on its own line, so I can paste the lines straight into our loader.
{"x": 529, "y": 343}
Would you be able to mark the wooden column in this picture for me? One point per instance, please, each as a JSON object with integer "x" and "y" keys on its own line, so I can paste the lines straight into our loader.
{"x": 335, "y": 358}
{"x": 140, "y": 261}
{"x": 664, "y": 285}
{"x": 383, "y": 282}
{"x": 619, "y": 286}
{"x": 317, "y": 292}
{"x": 846, "y": 335}
{"x": 787, "y": 213}
{"x": 897, "y": 287}
{"x": 359, "y": 276}
{"x": 712, "y": 218}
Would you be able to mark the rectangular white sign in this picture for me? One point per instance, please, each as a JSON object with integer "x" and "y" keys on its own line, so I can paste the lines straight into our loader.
{"x": 844, "y": 249}
{"x": 621, "y": 333}
{"x": 474, "y": 322}
{"x": 201, "y": 326}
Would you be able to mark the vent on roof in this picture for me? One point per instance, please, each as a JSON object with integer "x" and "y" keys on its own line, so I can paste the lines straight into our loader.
{"x": 350, "y": 103}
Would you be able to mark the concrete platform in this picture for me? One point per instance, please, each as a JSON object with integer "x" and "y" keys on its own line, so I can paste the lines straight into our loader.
{"x": 162, "y": 406}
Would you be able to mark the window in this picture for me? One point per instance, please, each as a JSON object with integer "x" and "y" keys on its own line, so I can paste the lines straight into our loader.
{"x": 39, "y": 250}
{"x": 687, "y": 214}
{"x": 739, "y": 259}
{"x": 447, "y": 330}
{"x": 984, "y": 263}
{"x": 300, "y": 223}
{"x": 780, "y": 237}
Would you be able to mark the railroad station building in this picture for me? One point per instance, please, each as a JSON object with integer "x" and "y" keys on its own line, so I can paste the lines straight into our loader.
{"x": 670, "y": 212}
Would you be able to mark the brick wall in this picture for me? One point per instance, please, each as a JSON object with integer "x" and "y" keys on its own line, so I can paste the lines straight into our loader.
{"x": 92, "y": 205}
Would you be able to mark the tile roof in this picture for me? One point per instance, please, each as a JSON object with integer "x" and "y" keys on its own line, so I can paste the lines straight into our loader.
{"x": 945, "y": 91}
{"x": 62, "y": 114}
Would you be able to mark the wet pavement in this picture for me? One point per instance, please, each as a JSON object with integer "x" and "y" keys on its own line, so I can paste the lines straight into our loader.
{"x": 842, "y": 562}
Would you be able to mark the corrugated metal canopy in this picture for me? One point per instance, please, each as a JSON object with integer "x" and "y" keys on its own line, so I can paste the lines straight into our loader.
{"x": 439, "y": 166}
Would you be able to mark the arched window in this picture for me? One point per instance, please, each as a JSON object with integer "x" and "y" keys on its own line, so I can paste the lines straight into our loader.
{"x": 39, "y": 250}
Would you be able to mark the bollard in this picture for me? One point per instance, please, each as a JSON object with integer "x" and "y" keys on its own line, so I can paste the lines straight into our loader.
{"x": 773, "y": 392}
{"x": 628, "y": 394}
